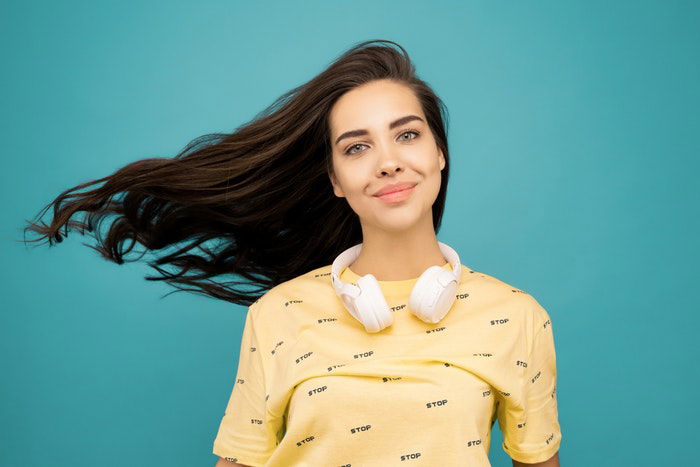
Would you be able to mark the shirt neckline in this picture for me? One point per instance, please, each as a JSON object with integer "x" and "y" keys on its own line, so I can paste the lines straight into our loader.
{"x": 389, "y": 288}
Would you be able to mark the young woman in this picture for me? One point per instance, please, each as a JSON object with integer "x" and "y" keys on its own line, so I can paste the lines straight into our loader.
{"x": 371, "y": 343}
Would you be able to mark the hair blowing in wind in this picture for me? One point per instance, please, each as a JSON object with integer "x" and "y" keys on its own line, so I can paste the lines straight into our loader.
{"x": 256, "y": 203}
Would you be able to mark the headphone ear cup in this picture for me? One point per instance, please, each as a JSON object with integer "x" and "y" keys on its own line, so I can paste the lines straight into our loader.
{"x": 433, "y": 294}
{"x": 371, "y": 306}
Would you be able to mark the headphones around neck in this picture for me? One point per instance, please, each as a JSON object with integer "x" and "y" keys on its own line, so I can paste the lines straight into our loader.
{"x": 431, "y": 298}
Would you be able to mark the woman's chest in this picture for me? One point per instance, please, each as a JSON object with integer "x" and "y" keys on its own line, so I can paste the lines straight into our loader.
{"x": 398, "y": 389}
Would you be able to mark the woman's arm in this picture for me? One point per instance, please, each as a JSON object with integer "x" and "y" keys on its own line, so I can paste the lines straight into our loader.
{"x": 551, "y": 462}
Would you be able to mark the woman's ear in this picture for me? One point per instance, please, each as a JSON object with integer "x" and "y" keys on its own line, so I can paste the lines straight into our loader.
{"x": 442, "y": 159}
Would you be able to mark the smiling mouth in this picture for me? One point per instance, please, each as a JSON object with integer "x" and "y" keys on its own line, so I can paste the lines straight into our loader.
{"x": 396, "y": 196}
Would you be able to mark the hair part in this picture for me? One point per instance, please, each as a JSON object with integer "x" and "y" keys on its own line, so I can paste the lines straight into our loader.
{"x": 255, "y": 203}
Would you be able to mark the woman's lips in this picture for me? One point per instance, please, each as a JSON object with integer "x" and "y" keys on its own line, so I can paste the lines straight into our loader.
{"x": 397, "y": 196}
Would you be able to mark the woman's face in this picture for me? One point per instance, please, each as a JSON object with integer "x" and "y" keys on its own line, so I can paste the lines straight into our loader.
{"x": 382, "y": 155}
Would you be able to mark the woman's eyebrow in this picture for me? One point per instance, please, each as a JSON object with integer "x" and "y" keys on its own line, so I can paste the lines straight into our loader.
{"x": 392, "y": 125}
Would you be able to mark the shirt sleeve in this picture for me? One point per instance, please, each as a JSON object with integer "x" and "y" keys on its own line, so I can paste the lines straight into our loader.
{"x": 248, "y": 433}
{"x": 529, "y": 421}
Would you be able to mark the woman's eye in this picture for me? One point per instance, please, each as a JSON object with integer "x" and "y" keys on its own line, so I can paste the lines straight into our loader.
{"x": 410, "y": 131}
{"x": 348, "y": 151}
{"x": 416, "y": 133}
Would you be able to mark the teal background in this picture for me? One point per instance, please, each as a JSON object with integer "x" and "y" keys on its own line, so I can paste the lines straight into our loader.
{"x": 573, "y": 134}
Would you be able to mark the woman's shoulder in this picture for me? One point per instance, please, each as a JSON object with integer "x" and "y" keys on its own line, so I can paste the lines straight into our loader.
{"x": 314, "y": 283}
{"x": 521, "y": 304}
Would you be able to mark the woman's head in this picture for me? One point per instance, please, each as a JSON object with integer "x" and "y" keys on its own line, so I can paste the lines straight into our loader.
{"x": 277, "y": 197}
{"x": 380, "y": 136}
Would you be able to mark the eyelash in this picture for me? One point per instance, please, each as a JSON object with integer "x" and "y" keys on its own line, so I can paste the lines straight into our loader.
{"x": 347, "y": 151}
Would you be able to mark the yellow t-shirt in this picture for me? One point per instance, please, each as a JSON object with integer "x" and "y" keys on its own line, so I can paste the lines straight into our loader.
{"x": 314, "y": 388}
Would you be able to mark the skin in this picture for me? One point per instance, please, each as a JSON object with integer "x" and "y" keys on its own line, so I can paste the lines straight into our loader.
{"x": 399, "y": 240}
{"x": 551, "y": 462}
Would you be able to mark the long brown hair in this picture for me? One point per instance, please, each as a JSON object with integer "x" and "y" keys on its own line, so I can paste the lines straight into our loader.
{"x": 256, "y": 203}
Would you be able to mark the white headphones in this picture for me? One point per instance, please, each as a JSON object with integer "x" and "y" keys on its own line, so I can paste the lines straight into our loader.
{"x": 431, "y": 298}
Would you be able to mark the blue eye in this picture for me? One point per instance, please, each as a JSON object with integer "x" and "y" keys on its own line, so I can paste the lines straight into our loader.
{"x": 348, "y": 151}
{"x": 416, "y": 132}
{"x": 410, "y": 131}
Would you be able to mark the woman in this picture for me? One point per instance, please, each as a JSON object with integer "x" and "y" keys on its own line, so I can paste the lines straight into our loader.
{"x": 372, "y": 344}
